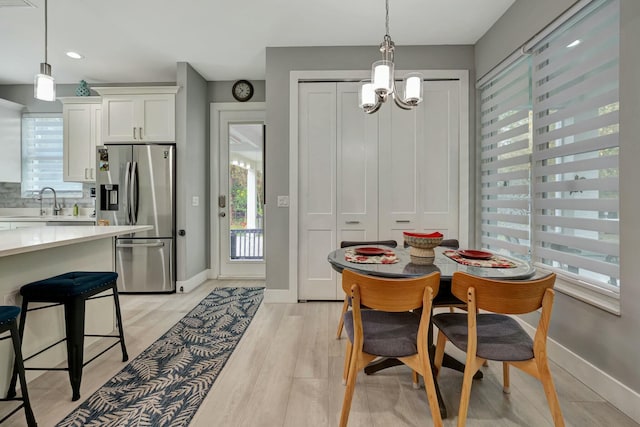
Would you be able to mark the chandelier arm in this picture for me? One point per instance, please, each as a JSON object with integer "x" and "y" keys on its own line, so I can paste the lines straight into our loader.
{"x": 400, "y": 103}
{"x": 373, "y": 109}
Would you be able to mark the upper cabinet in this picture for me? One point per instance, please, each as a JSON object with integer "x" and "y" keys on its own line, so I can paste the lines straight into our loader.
{"x": 82, "y": 119}
{"x": 138, "y": 114}
{"x": 10, "y": 141}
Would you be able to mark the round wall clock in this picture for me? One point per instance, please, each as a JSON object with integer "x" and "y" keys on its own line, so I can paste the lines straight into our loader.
{"x": 242, "y": 90}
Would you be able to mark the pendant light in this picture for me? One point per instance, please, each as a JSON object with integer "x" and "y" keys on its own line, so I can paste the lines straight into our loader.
{"x": 373, "y": 93}
{"x": 44, "y": 87}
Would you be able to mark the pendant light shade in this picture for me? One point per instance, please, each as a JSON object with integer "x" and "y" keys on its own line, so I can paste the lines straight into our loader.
{"x": 44, "y": 86}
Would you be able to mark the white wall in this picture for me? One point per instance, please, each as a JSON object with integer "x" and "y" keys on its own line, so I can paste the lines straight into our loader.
{"x": 609, "y": 342}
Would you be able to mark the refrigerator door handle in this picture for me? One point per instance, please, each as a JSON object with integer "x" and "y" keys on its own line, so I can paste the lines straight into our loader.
{"x": 127, "y": 197}
{"x": 135, "y": 198}
{"x": 140, "y": 245}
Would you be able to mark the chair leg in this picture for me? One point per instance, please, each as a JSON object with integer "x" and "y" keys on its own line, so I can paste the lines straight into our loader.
{"x": 345, "y": 307}
{"x": 430, "y": 388}
{"x": 550, "y": 391}
{"x": 11, "y": 393}
{"x": 19, "y": 367}
{"x": 348, "y": 392}
{"x": 472, "y": 365}
{"x": 347, "y": 362}
{"x": 116, "y": 301}
{"x": 439, "y": 354}
{"x": 74, "y": 313}
{"x": 505, "y": 378}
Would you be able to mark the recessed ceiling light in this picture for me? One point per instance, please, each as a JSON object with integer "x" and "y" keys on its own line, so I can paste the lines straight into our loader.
{"x": 74, "y": 55}
{"x": 574, "y": 43}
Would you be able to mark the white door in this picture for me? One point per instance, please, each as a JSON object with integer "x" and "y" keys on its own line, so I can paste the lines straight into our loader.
{"x": 419, "y": 164}
{"x": 240, "y": 201}
{"x": 317, "y": 198}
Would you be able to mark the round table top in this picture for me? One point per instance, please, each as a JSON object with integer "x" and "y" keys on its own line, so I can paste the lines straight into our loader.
{"x": 405, "y": 268}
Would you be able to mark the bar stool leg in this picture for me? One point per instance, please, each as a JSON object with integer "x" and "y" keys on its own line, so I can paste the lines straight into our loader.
{"x": 74, "y": 312}
{"x": 11, "y": 393}
{"x": 116, "y": 301}
{"x": 31, "y": 420}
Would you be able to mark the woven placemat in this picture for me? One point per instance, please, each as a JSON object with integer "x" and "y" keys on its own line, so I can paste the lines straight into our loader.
{"x": 493, "y": 262}
{"x": 389, "y": 257}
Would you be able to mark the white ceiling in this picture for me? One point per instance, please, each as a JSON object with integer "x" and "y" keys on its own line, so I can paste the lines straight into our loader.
{"x": 141, "y": 40}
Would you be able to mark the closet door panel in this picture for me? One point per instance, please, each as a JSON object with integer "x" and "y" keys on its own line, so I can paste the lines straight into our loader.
{"x": 399, "y": 168}
{"x": 317, "y": 175}
{"x": 439, "y": 126}
{"x": 357, "y": 160}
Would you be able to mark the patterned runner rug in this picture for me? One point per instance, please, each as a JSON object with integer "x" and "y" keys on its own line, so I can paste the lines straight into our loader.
{"x": 167, "y": 382}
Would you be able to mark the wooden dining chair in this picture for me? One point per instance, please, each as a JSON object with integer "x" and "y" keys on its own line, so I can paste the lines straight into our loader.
{"x": 496, "y": 335}
{"x": 389, "y": 329}
{"x": 349, "y": 243}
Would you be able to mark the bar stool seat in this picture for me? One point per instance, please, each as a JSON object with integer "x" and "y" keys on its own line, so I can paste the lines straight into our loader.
{"x": 8, "y": 316}
{"x": 72, "y": 290}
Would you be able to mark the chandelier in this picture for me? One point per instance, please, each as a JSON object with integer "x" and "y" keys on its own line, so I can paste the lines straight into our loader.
{"x": 373, "y": 93}
{"x": 44, "y": 87}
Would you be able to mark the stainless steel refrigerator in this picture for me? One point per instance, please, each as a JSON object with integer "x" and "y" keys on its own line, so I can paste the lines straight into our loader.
{"x": 135, "y": 184}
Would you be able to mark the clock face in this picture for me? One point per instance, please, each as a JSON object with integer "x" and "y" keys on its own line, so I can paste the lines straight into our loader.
{"x": 242, "y": 90}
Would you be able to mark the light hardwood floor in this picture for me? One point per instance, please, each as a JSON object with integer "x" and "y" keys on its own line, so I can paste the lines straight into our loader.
{"x": 287, "y": 370}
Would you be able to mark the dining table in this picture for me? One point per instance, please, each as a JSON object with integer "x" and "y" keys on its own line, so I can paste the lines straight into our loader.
{"x": 503, "y": 268}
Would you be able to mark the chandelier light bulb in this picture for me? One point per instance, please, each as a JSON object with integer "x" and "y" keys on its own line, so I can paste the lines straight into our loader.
{"x": 382, "y": 76}
{"x": 367, "y": 94}
{"x": 413, "y": 88}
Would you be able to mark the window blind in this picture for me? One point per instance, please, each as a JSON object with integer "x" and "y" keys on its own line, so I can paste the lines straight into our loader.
{"x": 505, "y": 156}
{"x": 42, "y": 161}
{"x": 575, "y": 148}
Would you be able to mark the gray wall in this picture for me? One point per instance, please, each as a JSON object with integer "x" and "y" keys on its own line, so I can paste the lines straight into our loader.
{"x": 607, "y": 341}
{"x": 192, "y": 146}
{"x": 282, "y": 60}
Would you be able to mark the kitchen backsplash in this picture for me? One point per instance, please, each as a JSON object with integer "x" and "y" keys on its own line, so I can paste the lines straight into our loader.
{"x": 10, "y": 198}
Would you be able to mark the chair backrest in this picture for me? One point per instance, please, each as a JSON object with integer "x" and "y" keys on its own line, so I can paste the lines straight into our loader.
{"x": 347, "y": 243}
{"x": 386, "y": 294}
{"x": 503, "y": 296}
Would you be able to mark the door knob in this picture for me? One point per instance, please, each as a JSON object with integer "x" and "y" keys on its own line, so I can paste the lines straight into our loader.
{"x": 222, "y": 214}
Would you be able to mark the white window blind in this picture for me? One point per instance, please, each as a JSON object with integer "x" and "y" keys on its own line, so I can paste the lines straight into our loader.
{"x": 42, "y": 156}
{"x": 505, "y": 156}
{"x": 575, "y": 148}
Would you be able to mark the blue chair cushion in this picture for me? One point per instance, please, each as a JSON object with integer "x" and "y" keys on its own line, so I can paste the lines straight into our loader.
{"x": 73, "y": 284}
{"x": 500, "y": 337}
{"x": 8, "y": 313}
{"x": 386, "y": 334}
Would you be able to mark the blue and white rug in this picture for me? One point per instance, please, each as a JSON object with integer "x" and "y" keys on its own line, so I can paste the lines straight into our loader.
{"x": 166, "y": 383}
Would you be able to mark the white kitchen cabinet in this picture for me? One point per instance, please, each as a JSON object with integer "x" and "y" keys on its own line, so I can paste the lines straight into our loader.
{"x": 10, "y": 141}
{"x": 138, "y": 114}
{"x": 372, "y": 176}
{"x": 26, "y": 224}
{"x": 82, "y": 120}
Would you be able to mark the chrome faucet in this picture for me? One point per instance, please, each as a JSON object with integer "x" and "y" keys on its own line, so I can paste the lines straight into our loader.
{"x": 56, "y": 208}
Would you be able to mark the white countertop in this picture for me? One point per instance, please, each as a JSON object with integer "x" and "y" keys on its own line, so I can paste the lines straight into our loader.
{"x": 23, "y": 240}
{"x": 47, "y": 218}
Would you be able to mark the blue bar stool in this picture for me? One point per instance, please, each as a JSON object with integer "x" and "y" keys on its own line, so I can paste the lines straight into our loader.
{"x": 72, "y": 290}
{"x": 8, "y": 315}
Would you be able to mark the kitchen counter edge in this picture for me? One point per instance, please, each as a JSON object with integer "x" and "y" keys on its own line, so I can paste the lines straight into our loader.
{"x": 24, "y": 240}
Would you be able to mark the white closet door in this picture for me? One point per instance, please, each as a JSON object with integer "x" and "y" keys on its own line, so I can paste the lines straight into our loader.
{"x": 357, "y": 157}
{"x": 419, "y": 164}
{"x": 317, "y": 197}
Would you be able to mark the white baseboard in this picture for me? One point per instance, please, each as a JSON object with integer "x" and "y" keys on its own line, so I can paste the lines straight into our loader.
{"x": 612, "y": 390}
{"x": 280, "y": 296}
{"x": 183, "y": 286}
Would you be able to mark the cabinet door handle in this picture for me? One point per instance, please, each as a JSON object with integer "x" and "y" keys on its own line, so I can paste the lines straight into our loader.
{"x": 140, "y": 132}
{"x": 85, "y": 173}
{"x": 134, "y": 133}
{"x": 91, "y": 173}
{"x": 352, "y": 222}
{"x": 403, "y": 221}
